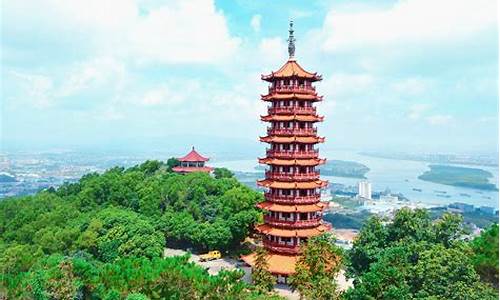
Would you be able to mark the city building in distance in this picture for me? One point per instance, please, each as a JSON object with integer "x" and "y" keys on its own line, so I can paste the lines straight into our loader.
{"x": 365, "y": 190}
{"x": 192, "y": 162}
{"x": 292, "y": 211}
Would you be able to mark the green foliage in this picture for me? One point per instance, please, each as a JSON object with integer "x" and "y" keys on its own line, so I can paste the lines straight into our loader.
{"x": 114, "y": 233}
{"x": 223, "y": 173}
{"x": 485, "y": 258}
{"x": 414, "y": 258}
{"x": 316, "y": 269}
{"x": 172, "y": 162}
{"x": 58, "y": 277}
{"x": 79, "y": 238}
{"x": 261, "y": 277}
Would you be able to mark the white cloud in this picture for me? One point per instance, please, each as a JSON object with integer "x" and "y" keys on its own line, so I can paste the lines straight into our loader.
{"x": 347, "y": 84}
{"x": 38, "y": 88}
{"x": 93, "y": 73}
{"x": 175, "y": 32}
{"x": 161, "y": 96}
{"x": 272, "y": 50}
{"x": 408, "y": 21}
{"x": 439, "y": 119}
{"x": 416, "y": 110}
{"x": 410, "y": 86}
{"x": 255, "y": 22}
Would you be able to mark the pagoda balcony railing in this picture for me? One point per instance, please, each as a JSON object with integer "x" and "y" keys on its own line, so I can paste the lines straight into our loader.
{"x": 292, "y": 223}
{"x": 292, "y": 88}
{"x": 281, "y": 247}
{"x": 291, "y": 110}
{"x": 292, "y": 176}
{"x": 292, "y": 131}
{"x": 292, "y": 153}
{"x": 292, "y": 199}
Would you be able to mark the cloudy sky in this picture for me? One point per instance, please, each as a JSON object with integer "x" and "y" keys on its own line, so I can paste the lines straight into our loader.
{"x": 415, "y": 75}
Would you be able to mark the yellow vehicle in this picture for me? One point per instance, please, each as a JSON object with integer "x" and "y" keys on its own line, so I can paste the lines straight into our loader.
{"x": 210, "y": 256}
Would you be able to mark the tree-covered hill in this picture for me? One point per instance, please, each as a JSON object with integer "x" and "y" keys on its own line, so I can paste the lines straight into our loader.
{"x": 103, "y": 236}
{"x": 413, "y": 257}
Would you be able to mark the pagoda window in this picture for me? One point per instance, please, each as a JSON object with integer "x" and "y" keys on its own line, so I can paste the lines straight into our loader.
{"x": 303, "y": 216}
{"x": 287, "y": 82}
{"x": 301, "y": 82}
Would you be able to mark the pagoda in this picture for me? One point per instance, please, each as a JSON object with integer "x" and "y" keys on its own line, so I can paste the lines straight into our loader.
{"x": 292, "y": 207}
{"x": 192, "y": 162}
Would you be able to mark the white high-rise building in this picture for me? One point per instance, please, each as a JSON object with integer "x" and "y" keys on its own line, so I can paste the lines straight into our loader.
{"x": 365, "y": 190}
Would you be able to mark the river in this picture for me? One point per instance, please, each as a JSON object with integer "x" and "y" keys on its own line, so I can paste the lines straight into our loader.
{"x": 400, "y": 176}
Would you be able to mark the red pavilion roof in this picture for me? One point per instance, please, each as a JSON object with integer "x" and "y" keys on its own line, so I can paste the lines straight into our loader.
{"x": 193, "y": 156}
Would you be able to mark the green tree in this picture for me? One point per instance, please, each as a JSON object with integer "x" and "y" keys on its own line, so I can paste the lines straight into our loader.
{"x": 172, "y": 162}
{"x": 485, "y": 258}
{"x": 222, "y": 173}
{"x": 261, "y": 277}
{"x": 414, "y": 258}
{"x": 317, "y": 268}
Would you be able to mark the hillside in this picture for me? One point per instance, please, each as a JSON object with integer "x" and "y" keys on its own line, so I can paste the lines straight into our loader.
{"x": 103, "y": 236}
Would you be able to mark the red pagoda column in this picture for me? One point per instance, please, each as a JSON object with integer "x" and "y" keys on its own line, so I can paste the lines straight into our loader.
{"x": 293, "y": 210}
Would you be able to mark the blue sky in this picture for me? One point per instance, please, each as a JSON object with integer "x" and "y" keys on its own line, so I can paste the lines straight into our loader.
{"x": 416, "y": 75}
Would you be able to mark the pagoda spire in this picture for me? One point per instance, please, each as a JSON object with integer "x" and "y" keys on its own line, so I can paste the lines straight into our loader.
{"x": 291, "y": 43}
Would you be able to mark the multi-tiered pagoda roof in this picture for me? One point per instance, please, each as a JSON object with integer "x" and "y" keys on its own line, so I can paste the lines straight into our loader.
{"x": 293, "y": 210}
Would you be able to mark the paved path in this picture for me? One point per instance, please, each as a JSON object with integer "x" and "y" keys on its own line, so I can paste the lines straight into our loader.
{"x": 215, "y": 266}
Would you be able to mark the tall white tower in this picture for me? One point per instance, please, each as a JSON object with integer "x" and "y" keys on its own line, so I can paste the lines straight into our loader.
{"x": 365, "y": 190}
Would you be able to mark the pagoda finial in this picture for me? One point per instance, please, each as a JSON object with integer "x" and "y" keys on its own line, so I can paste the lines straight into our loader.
{"x": 291, "y": 42}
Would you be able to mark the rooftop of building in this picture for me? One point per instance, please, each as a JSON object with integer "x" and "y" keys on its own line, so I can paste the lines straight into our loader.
{"x": 193, "y": 156}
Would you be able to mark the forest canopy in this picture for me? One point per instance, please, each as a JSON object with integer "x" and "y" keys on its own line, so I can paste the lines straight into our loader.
{"x": 120, "y": 219}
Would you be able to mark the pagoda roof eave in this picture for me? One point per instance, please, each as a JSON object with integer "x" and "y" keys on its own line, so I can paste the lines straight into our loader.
{"x": 305, "y": 97}
{"x": 292, "y": 185}
{"x": 304, "y": 118}
{"x": 271, "y": 206}
{"x": 291, "y": 69}
{"x": 309, "y": 232}
{"x": 292, "y": 139}
{"x": 292, "y": 162}
{"x": 276, "y": 263}
{"x": 192, "y": 169}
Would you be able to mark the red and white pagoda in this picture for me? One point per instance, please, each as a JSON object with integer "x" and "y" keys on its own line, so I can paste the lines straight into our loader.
{"x": 293, "y": 210}
{"x": 192, "y": 162}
